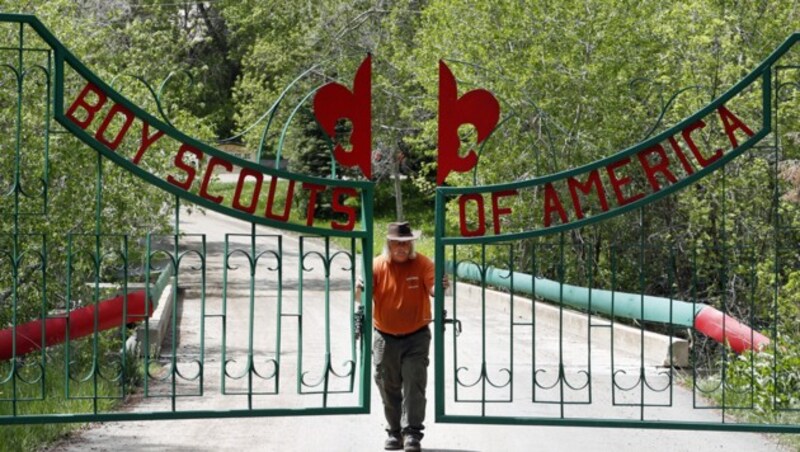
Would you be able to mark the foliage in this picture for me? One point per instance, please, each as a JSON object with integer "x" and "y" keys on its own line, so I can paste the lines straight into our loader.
{"x": 771, "y": 376}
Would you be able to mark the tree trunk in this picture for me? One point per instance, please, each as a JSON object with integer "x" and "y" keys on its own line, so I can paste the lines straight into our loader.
{"x": 398, "y": 190}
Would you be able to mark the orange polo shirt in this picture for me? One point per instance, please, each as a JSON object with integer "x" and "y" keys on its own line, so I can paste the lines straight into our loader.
{"x": 400, "y": 293}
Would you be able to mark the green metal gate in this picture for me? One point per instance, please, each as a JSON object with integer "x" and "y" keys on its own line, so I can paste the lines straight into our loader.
{"x": 221, "y": 311}
{"x": 207, "y": 320}
{"x": 596, "y": 240}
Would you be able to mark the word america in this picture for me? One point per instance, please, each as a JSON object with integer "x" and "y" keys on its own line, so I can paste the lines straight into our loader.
{"x": 187, "y": 172}
{"x": 657, "y": 165}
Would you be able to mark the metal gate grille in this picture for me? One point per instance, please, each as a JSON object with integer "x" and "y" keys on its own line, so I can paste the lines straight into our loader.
{"x": 211, "y": 314}
{"x": 594, "y": 244}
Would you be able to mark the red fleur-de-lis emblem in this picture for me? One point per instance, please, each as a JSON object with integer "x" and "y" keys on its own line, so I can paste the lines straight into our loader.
{"x": 477, "y": 107}
{"x": 334, "y": 102}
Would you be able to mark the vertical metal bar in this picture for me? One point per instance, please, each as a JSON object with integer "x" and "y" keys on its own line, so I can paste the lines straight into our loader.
{"x": 202, "y": 308}
{"x": 776, "y": 225}
{"x": 766, "y": 99}
{"x": 16, "y": 251}
{"x": 58, "y": 94}
{"x": 534, "y": 271}
{"x": 641, "y": 313}
{"x": 693, "y": 359}
{"x": 453, "y": 335}
{"x": 96, "y": 295}
{"x": 484, "y": 374}
{"x": 279, "y": 316}
{"x": 148, "y": 301}
{"x": 68, "y": 341}
{"x": 511, "y": 320}
{"x": 438, "y": 330}
{"x": 367, "y": 252}
{"x": 724, "y": 283}
{"x": 561, "y": 369}
{"x": 251, "y": 326}
{"x": 671, "y": 277}
{"x": 174, "y": 312}
{"x": 326, "y": 377}
{"x": 753, "y": 282}
{"x": 589, "y": 322}
{"x": 613, "y": 250}
{"x": 46, "y": 133}
{"x": 124, "y": 323}
{"x": 353, "y": 354}
{"x": 351, "y": 303}
{"x": 301, "y": 256}
{"x": 43, "y": 318}
{"x": 224, "y": 341}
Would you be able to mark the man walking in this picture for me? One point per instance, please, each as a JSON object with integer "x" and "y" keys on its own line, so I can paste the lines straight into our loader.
{"x": 403, "y": 282}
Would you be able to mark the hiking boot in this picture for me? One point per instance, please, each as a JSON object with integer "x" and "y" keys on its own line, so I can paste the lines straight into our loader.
{"x": 411, "y": 444}
{"x": 393, "y": 442}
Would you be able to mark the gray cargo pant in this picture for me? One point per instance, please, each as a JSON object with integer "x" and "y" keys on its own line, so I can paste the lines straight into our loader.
{"x": 401, "y": 373}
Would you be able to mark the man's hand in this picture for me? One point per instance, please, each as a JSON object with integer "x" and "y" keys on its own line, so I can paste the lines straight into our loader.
{"x": 359, "y": 289}
{"x": 445, "y": 285}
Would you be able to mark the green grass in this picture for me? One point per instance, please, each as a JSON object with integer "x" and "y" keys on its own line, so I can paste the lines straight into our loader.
{"x": 44, "y": 393}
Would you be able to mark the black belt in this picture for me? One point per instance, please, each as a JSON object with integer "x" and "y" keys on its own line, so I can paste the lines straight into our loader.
{"x": 400, "y": 336}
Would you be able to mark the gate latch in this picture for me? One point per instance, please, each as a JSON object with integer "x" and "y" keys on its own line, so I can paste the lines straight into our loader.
{"x": 358, "y": 322}
{"x": 455, "y": 322}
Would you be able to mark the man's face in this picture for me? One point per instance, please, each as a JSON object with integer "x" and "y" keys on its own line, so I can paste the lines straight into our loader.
{"x": 399, "y": 250}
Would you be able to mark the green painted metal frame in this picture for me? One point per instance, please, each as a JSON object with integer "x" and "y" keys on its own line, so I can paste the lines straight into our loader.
{"x": 764, "y": 74}
{"x": 60, "y": 60}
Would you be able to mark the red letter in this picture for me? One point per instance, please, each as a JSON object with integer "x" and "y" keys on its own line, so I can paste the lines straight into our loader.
{"x": 209, "y": 172}
{"x": 90, "y": 110}
{"x": 551, "y": 202}
{"x": 100, "y": 135}
{"x": 190, "y": 170}
{"x": 617, "y": 184}
{"x": 313, "y": 189}
{"x": 477, "y": 107}
{"x": 462, "y": 203}
{"x": 333, "y": 102}
{"x": 594, "y": 179}
{"x": 341, "y": 208}
{"x": 686, "y": 134}
{"x": 271, "y": 200}
{"x": 146, "y": 141}
{"x": 256, "y": 191}
{"x": 497, "y": 210}
{"x": 681, "y": 156}
{"x": 661, "y": 167}
{"x": 731, "y": 123}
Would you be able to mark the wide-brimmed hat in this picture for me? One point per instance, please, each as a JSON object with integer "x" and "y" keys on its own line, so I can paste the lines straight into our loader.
{"x": 401, "y": 232}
